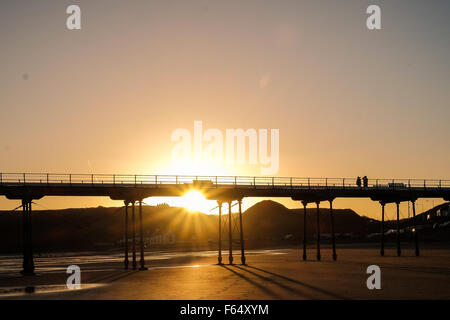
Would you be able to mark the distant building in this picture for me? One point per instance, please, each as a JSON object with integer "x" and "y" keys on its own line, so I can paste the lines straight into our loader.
{"x": 167, "y": 238}
{"x": 441, "y": 212}
{"x": 288, "y": 236}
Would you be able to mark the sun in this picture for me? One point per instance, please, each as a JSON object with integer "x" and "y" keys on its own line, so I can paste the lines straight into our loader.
{"x": 195, "y": 201}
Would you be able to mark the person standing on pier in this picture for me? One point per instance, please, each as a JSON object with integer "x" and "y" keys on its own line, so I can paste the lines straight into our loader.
{"x": 365, "y": 182}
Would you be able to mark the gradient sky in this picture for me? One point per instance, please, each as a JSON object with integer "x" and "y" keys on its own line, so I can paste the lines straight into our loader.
{"x": 106, "y": 98}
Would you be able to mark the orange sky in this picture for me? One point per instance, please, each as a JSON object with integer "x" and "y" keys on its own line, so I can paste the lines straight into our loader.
{"x": 105, "y": 99}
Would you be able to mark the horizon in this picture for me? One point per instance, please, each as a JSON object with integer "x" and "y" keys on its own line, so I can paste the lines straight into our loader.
{"x": 225, "y": 212}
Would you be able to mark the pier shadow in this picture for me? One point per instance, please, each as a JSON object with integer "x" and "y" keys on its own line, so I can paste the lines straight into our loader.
{"x": 322, "y": 291}
{"x": 254, "y": 283}
{"x": 277, "y": 283}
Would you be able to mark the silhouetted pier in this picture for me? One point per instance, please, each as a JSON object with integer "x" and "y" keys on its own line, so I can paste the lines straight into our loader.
{"x": 132, "y": 189}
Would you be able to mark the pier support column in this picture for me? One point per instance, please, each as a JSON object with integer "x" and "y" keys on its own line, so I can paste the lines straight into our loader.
{"x": 382, "y": 228}
{"x": 399, "y": 251}
{"x": 126, "y": 261}
{"x": 318, "y": 231}
{"x": 242, "y": 233}
{"x": 133, "y": 222}
{"x": 28, "y": 262}
{"x": 219, "y": 258}
{"x": 333, "y": 239}
{"x": 416, "y": 232}
{"x": 304, "y": 229}
{"x": 141, "y": 238}
{"x": 230, "y": 236}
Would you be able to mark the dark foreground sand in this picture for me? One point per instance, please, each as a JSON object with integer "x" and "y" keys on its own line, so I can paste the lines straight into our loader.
{"x": 270, "y": 274}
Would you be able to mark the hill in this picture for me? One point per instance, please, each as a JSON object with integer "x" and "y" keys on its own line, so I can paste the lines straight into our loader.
{"x": 271, "y": 220}
{"x": 93, "y": 228}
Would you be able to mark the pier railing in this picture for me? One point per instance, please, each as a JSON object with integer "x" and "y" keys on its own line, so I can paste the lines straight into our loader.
{"x": 205, "y": 181}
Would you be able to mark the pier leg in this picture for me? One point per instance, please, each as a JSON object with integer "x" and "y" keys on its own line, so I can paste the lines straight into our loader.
{"x": 333, "y": 240}
{"x": 399, "y": 252}
{"x": 382, "y": 228}
{"x": 416, "y": 232}
{"x": 304, "y": 229}
{"x": 318, "y": 231}
{"x": 126, "y": 261}
{"x": 242, "y": 233}
{"x": 28, "y": 263}
{"x": 141, "y": 238}
{"x": 133, "y": 222}
{"x": 219, "y": 258}
{"x": 230, "y": 236}
{"x": 25, "y": 235}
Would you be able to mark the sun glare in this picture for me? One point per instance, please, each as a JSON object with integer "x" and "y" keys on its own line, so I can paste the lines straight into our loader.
{"x": 195, "y": 201}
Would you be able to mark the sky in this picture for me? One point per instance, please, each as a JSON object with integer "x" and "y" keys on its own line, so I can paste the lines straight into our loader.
{"x": 346, "y": 100}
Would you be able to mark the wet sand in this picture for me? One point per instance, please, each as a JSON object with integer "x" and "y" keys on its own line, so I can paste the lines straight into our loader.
{"x": 270, "y": 274}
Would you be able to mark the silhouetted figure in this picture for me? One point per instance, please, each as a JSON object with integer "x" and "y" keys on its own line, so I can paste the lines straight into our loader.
{"x": 365, "y": 182}
{"x": 358, "y": 181}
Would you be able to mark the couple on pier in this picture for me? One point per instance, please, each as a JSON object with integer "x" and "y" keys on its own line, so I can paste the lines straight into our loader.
{"x": 364, "y": 180}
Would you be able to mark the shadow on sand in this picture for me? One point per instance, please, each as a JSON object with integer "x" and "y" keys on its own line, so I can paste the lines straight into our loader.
{"x": 272, "y": 279}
